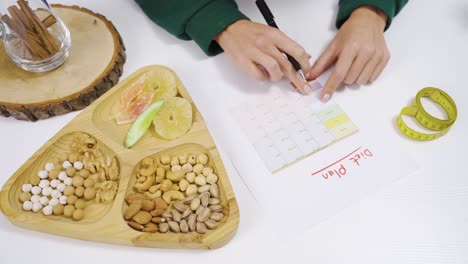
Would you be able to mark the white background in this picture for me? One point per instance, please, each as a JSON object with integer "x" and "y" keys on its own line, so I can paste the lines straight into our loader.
{"x": 422, "y": 218}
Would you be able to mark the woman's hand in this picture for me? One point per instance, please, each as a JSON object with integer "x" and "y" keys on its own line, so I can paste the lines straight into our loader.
{"x": 258, "y": 50}
{"x": 359, "y": 50}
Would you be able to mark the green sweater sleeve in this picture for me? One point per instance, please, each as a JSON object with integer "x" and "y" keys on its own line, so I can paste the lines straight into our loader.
{"x": 390, "y": 7}
{"x": 199, "y": 20}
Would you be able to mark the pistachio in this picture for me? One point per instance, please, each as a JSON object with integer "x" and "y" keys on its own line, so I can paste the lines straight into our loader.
{"x": 204, "y": 197}
{"x": 163, "y": 227}
{"x": 201, "y": 228}
{"x": 204, "y": 188}
{"x": 167, "y": 216}
{"x": 195, "y": 204}
{"x": 176, "y": 216}
{"x": 179, "y": 206}
{"x": 189, "y": 199}
{"x": 174, "y": 226}
{"x": 213, "y": 201}
{"x": 216, "y": 208}
{"x": 184, "y": 226}
{"x": 192, "y": 220}
{"x": 186, "y": 213}
{"x": 200, "y": 208}
{"x": 211, "y": 224}
{"x": 214, "y": 190}
{"x": 216, "y": 216}
{"x": 204, "y": 215}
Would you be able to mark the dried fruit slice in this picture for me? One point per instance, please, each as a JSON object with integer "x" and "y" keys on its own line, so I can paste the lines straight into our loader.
{"x": 142, "y": 123}
{"x": 162, "y": 83}
{"x": 130, "y": 112}
{"x": 174, "y": 119}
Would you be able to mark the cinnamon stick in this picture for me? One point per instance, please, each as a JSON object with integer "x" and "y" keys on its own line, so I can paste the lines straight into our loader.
{"x": 48, "y": 40}
{"x": 49, "y": 21}
{"x": 17, "y": 15}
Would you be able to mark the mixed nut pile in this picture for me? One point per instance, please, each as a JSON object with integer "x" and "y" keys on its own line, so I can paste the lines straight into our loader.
{"x": 72, "y": 181}
{"x": 178, "y": 194}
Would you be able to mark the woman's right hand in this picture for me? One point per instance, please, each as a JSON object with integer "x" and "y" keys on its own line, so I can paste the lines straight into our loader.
{"x": 259, "y": 50}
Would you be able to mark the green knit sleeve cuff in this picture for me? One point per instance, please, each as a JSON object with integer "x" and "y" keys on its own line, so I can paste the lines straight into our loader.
{"x": 209, "y": 21}
{"x": 347, "y": 7}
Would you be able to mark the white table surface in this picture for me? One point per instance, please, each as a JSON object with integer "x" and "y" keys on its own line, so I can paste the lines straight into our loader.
{"x": 422, "y": 218}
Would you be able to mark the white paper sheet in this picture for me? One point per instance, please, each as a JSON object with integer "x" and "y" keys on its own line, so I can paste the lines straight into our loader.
{"x": 284, "y": 127}
{"x": 319, "y": 185}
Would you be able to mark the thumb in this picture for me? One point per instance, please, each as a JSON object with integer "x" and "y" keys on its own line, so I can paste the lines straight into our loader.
{"x": 325, "y": 60}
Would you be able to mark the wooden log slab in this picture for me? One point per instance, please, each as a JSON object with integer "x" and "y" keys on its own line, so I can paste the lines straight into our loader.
{"x": 94, "y": 65}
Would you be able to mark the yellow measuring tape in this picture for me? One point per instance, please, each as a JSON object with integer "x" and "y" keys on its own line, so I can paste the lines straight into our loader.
{"x": 417, "y": 111}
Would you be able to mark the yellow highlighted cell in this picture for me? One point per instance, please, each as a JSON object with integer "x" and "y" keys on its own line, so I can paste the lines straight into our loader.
{"x": 336, "y": 121}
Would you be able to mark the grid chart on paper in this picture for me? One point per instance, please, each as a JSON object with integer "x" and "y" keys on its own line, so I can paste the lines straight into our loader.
{"x": 284, "y": 127}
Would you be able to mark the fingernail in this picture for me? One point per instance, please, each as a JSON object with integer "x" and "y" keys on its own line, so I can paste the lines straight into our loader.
{"x": 325, "y": 98}
{"x": 307, "y": 89}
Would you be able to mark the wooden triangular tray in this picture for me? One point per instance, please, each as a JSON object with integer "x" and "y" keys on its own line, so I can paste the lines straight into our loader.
{"x": 105, "y": 222}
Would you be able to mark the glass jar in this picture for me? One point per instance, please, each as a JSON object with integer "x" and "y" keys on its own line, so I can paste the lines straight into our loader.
{"x": 34, "y": 37}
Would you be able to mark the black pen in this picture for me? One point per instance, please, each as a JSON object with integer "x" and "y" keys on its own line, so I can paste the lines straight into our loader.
{"x": 270, "y": 19}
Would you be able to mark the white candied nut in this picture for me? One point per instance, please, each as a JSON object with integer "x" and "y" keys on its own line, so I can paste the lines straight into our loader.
{"x": 62, "y": 175}
{"x": 47, "y": 191}
{"x": 26, "y": 187}
{"x": 68, "y": 181}
{"x": 35, "y": 198}
{"x": 200, "y": 180}
{"x": 44, "y": 183}
{"x": 176, "y": 168}
{"x": 54, "y": 183}
{"x": 56, "y": 194}
{"x": 27, "y": 206}
{"x": 47, "y": 210}
{"x": 63, "y": 199}
{"x": 43, "y": 174}
{"x": 36, "y": 207}
{"x": 187, "y": 167}
{"x": 36, "y": 190}
{"x": 78, "y": 165}
{"x": 54, "y": 201}
{"x": 44, "y": 200}
{"x": 212, "y": 178}
{"x": 66, "y": 164}
{"x": 61, "y": 187}
{"x": 49, "y": 166}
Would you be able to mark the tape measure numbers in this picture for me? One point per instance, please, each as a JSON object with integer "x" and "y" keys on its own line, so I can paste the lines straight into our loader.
{"x": 417, "y": 111}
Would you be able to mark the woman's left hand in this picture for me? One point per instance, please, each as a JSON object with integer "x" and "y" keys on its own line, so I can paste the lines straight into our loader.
{"x": 359, "y": 50}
